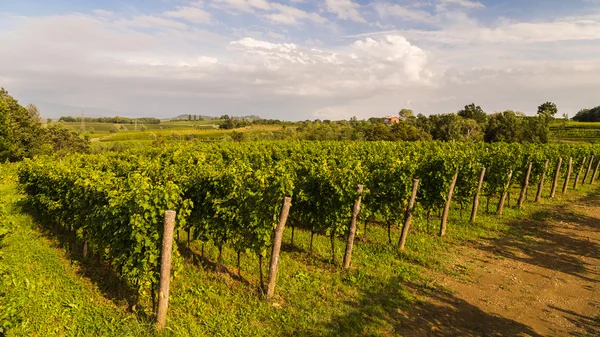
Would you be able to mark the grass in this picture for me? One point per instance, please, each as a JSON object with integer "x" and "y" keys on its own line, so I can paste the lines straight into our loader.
{"x": 46, "y": 288}
{"x": 58, "y": 294}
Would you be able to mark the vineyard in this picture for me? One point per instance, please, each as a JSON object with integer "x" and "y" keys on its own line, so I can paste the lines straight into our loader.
{"x": 230, "y": 195}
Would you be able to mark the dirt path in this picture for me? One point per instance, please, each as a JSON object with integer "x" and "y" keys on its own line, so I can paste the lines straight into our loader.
{"x": 541, "y": 279}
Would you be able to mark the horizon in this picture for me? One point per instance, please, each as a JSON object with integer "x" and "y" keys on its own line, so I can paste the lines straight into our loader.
{"x": 297, "y": 59}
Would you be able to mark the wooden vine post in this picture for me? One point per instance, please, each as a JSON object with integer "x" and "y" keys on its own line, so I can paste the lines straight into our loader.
{"x": 500, "y": 208}
{"x": 579, "y": 173}
{"x": 408, "y": 215}
{"x": 352, "y": 231}
{"x": 447, "y": 208}
{"x": 538, "y": 195}
{"x": 525, "y": 186}
{"x": 476, "y": 198}
{"x": 556, "y": 176}
{"x": 165, "y": 270}
{"x": 587, "y": 172}
{"x": 595, "y": 172}
{"x": 285, "y": 211}
{"x": 569, "y": 169}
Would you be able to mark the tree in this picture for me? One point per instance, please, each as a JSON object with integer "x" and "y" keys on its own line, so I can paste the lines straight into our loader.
{"x": 4, "y": 133}
{"x": 451, "y": 127}
{"x": 34, "y": 113}
{"x": 408, "y": 132}
{"x": 588, "y": 115}
{"x": 378, "y": 131}
{"x": 474, "y": 112}
{"x": 547, "y": 108}
{"x": 22, "y": 136}
{"x": 406, "y": 114}
{"x": 61, "y": 139}
{"x": 536, "y": 129}
{"x": 503, "y": 127}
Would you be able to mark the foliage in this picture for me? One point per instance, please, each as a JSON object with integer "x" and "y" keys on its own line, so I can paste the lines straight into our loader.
{"x": 231, "y": 123}
{"x": 22, "y": 135}
{"x": 588, "y": 115}
{"x": 504, "y": 127}
{"x": 405, "y": 114}
{"x": 63, "y": 139}
{"x": 452, "y": 127}
{"x": 474, "y": 112}
{"x": 549, "y": 109}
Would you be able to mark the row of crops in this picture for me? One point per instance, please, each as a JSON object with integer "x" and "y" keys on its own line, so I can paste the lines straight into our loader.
{"x": 231, "y": 194}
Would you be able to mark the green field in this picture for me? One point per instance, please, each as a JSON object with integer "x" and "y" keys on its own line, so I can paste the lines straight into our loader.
{"x": 103, "y": 129}
{"x": 571, "y": 131}
{"x": 560, "y": 130}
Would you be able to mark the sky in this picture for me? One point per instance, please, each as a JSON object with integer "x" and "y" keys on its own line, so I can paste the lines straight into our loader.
{"x": 299, "y": 59}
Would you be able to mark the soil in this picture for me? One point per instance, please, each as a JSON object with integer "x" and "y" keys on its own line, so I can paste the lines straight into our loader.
{"x": 542, "y": 278}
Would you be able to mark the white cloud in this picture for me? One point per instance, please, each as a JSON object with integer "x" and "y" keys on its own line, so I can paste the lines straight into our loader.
{"x": 190, "y": 14}
{"x": 563, "y": 29}
{"x": 386, "y": 10}
{"x": 345, "y": 9}
{"x": 290, "y": 15}
{"x": 464, "y": 3}
{"x": 243, "y": 5}
{"x": 149, "y": 21}
{"x": 272, "y": 11}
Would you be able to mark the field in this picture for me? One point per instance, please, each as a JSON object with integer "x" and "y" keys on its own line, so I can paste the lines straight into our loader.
{"x": 560, "y": 131}
{"x": 381, "y": 294}
{"x": 571, "y": 131}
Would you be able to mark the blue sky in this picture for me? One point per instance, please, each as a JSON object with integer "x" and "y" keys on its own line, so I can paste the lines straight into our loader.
{"x": 299, "y": 59}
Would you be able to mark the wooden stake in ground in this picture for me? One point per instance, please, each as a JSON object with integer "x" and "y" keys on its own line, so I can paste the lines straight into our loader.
{"x": 165, "y": 270}
{"x": 579, "y": 173}
{"x": 352, "y": 230}
{"x": 569, "y": 169}
{"x": 85, "y": 249}
{"x": 538, "y": 195}
{"x": 476, "y": 198}
{"x": 525, "y": 186}
{"x": 556, "y": 176}
{"x": 447, "y": 208}
{"x": 500, "y": 208}
{"x": 408, "y": 215}
{"x": 587, "y": 172}
{"x": 595, "y": 172}
{"x": 285, "y": 210}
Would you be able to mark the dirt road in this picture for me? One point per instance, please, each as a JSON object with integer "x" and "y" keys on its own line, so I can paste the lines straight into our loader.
{"x": 541, "y": 279}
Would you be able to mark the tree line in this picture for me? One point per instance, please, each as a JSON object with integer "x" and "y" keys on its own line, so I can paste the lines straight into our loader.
{"x": 588, "y": 115}
{"x": 112, "y": 120}
{"x": 470, "y": 124}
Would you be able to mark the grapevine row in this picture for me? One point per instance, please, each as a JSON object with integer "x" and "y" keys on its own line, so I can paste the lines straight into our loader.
{"x": 230, "y": 194}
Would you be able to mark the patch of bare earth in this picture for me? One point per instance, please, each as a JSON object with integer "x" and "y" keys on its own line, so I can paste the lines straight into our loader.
{"x": 541, "y": 279}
